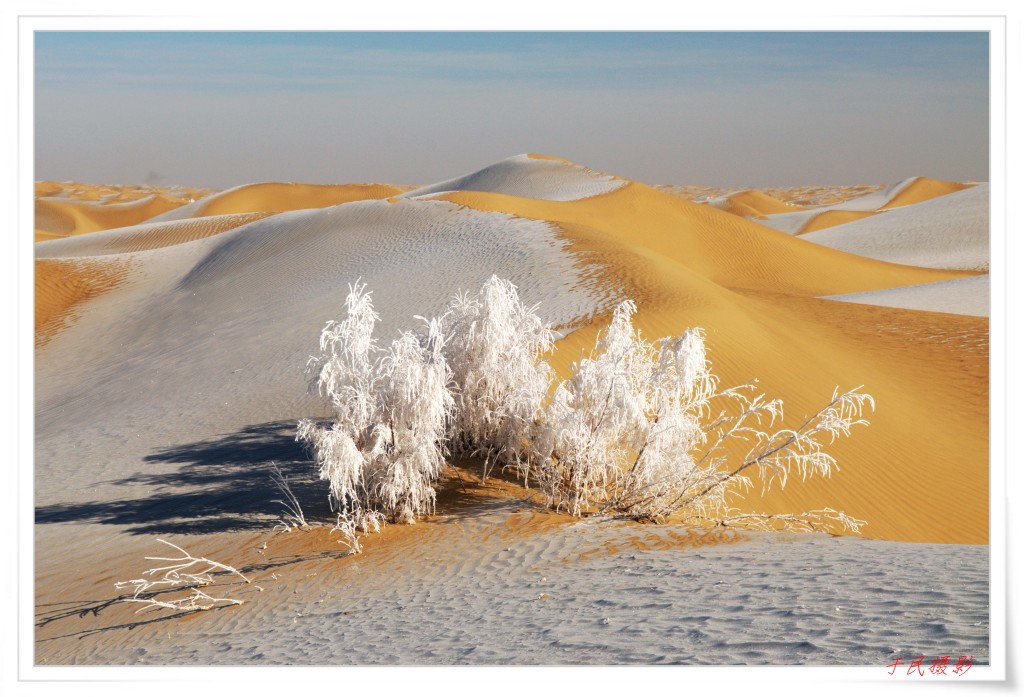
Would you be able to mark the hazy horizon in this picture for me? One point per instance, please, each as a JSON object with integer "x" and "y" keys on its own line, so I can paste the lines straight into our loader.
{"x": 216, "y": 109}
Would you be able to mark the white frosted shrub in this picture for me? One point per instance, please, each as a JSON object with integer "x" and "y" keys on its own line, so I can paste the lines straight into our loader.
{"x": 622, "y": 427}
{"x": 495, "y": 347}
{"x": 631, "y": 431}
{"x": 385, "y": 446}
{"x": 627, "y": 433}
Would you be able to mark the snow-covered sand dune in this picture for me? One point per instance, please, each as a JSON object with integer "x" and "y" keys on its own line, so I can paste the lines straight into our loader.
{"x": 276, "y": 197}
{"x": 910, "y": 191}
{"x": 213, "y": 333}
{"x": 948, "y": 232}
{"x": 137, "y": 238}
{"x": 529, "y": 176}
{"x": 962, "y": 296}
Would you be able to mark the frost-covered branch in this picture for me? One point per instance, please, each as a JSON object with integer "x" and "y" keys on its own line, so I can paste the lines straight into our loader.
{"x": 185, "y": 572}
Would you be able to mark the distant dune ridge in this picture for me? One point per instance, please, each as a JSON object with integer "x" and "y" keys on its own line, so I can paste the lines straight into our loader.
{"x": 278, "y": 197}
{"x": 70, "y": 217}
{"x": 529, "y": 176}
{"x": 169, "y": 377}
{"x": 947, "y": 232}
{"x": 799, "y": 220}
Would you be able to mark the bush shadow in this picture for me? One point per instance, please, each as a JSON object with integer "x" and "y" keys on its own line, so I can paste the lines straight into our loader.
{"x": 222, "y": 484}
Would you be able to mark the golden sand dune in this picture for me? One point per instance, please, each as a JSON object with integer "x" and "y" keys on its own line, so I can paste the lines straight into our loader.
{"x": 63, "y": 286}
{"x": 138, "y": 238}
{"x": 723, "y": 248}
{"x": 277, "y": 197}
{"x": 117, "y": 193}
{"x": 833, "y": 218}
{"x": 72, "y": 217}
{"x": 752, "y": 204}
{"x": 826, "y": 209}
{"x": 48, "y": 189}
{"x": 689, "y": 265}
{"x": 289, "y": 197}
{"x": 922, "y": 189}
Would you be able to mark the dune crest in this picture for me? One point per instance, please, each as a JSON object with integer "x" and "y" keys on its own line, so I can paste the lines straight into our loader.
{"x": 277, "y": 197}
{"x": 547, "y": 178}
{"x": 751, "y": 204}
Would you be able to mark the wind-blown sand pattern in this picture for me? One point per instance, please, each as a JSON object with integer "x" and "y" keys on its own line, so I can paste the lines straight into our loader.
{"x": 160, "y": 407}
{"x": 490, "y": 585}
{"x": 63, "y": 286}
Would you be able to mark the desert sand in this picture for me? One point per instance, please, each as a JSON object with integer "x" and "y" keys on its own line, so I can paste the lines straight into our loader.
{"x": 71, "y": 208}
{"x": 169, "y": 374}
{"x": 852, "y": 203}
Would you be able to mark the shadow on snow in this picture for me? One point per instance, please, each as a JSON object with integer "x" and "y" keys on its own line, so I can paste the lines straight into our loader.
{"x": 223, "y": 484}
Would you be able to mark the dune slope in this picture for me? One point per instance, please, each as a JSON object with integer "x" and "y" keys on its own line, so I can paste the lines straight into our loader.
{"x": 950, "y": 232}
{"x": 137, "y": 238}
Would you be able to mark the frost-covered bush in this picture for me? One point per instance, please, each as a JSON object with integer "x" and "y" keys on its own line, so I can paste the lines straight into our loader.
{"x": 495, "y": 346}
{"x": 386, "y": 444}
{"x": 620, "y": 431}
{"x": 630, "y": 431}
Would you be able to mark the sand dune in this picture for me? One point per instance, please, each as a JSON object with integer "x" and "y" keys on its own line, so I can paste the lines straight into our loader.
{"x": 833, "y": 218}
{"x": 684, "y": 263}
{"x": 922, "y": 189}
{"x": 117, "y": 193}
{"x": 751, "y": 204}
{"x": 232, "y": 319}
{"x": 691, "y": 265}
{"x": 722, "y": 248}
{"x": 138, "y": 238}
{"x": 950, "y": 232}
{"x": 907, "y": 192}
{"x": 530, "y": 176}
{"x": 73, "y": 217}
{"x": 277, "y": 197}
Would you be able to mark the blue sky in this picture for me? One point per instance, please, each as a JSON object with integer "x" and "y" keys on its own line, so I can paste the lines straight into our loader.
{"x": 718, "y": 108}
